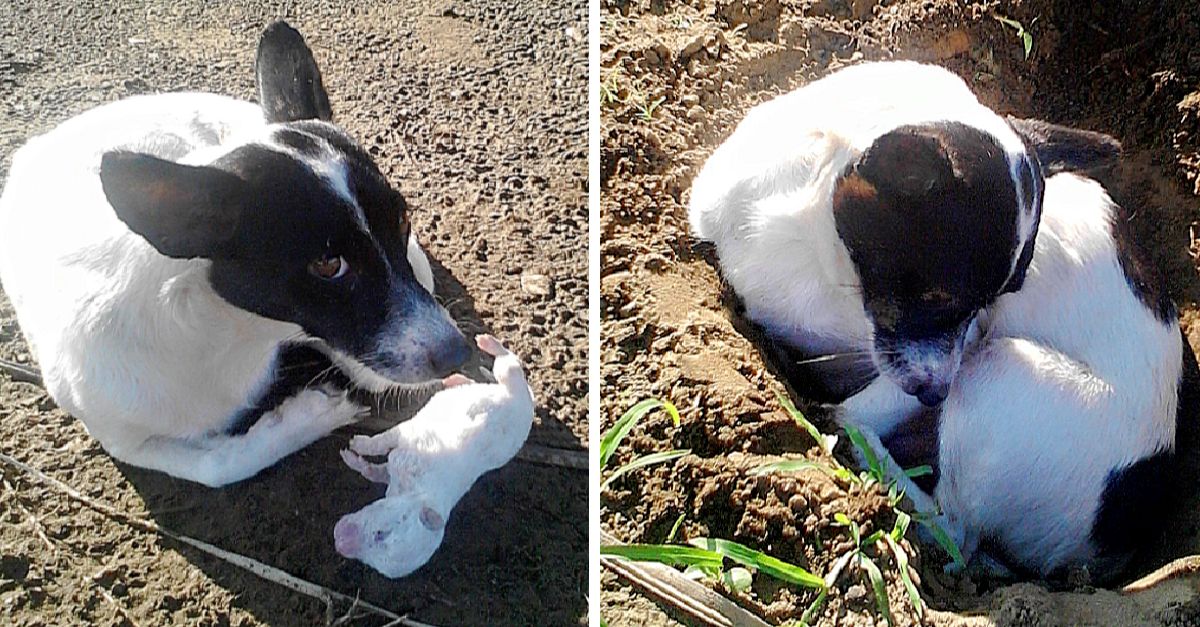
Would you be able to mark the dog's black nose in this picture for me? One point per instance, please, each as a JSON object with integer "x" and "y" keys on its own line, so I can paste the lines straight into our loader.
{"x": 931, "y": 394}
{"x": 449, "y": 355}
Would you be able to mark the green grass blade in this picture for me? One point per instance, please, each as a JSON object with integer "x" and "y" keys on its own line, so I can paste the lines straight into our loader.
{"x": 876, "y": 577}
{"x": 901, "y": 526}
{"x": 802, "y": 422}
{"x": 943, "y": 540}
{"x": 612, "y": 438}
{"x": 672, "y": 554}
{"x": 791, "y": 465}
{"x": 764, "y": 563}
{"x": 914, "y": 597}
{"x": 918, "y": 471}
{"x": 860, "y": 442}
{"x": 675, "y": 528}
{"x": 645, "y": 460}
{"x": 814, "y": 609}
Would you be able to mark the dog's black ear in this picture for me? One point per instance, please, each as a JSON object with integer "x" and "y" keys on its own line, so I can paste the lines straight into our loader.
{"x": 1061, "y": 148}
{"x": 184, "y": 211}
{"x": 289, "y": 83}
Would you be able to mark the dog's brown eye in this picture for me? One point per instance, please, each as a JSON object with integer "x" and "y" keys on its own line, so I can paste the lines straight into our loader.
{"x": 329, "y": 267}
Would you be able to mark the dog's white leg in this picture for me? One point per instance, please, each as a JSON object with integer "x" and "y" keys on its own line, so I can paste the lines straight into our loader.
{"x": 218, "y": 460}
{"x": 420, "y": 264}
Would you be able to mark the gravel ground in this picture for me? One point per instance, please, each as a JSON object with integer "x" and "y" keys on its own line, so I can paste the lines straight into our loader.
{"x": 677, "y": 76}
{"x": 477, "y": 112}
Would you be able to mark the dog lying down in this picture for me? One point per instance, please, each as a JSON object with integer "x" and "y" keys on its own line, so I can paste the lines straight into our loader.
{"x": 464, "y": 431}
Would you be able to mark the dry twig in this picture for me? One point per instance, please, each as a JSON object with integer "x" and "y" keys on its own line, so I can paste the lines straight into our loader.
{"x": 264, "y": 571}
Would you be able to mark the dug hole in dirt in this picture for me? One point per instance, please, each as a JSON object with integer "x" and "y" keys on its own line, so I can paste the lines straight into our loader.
{"x": 676, "y": 79}
{"x": 477, "y": 112}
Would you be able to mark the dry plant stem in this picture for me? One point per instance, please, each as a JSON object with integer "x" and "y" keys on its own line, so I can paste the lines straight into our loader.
{"x": 37, "y": 522}
{"x": 264, "y": 571}
{"x": 669, "y": 586}
{"x": 550, "y": 456}
{"x": 1182, "y": 567}
{"x": 22, "y": 373}
{"x": 117, "y": 605}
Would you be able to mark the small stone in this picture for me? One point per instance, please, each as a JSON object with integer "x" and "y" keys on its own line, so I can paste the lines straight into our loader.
{"x": 536, "y": 284}
{"x": 856, "y": 592}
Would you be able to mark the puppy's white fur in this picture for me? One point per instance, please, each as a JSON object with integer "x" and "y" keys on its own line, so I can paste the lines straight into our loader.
{"x": 433, "y": 459}
{"x": 136, "y": 344}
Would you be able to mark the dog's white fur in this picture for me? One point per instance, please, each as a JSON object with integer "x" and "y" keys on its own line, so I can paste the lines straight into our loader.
{"x": 1074, "y": 377}
{"x": 433, "y": 459}
{"x": 136, "y": 344}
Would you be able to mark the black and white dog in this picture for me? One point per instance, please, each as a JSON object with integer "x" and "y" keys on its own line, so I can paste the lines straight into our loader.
{"x": 882, "y": 221}
{"x": 167, "y": 254}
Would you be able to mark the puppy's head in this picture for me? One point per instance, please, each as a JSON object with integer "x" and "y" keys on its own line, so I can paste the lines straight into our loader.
{"x": 940, "y": 219}
{"x": 394, "y": 535}
{"x": 300, "y": 226}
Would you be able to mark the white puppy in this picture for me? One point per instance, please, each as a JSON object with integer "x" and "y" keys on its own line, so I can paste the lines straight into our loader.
{"x": 433, "y": 459}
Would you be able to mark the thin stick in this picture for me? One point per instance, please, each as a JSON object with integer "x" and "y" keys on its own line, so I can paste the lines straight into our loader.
{"x": 22, "y": 373}
{"x": 669, "y": 586}
{"x": 567, "y": 458}
{"x": 37, "y": 522}
{"x": 116, "y": 604}
{"x": 264, "y": 571}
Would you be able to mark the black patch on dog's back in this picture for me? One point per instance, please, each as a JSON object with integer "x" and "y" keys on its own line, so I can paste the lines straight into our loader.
{"x": 1143, "y": 277}
{"x": 1133, "y": 505}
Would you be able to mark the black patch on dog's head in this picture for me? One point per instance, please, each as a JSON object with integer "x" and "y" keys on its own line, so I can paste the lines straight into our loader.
{"x": 306, "y": 231}
{"x": 299, "y": 141}
{"x": 930, "y": 217}
{"x": 264, "y": 216}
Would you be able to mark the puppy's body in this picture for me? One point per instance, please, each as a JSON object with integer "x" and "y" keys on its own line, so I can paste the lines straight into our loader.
{"x": 155, "y": 248}
{"x": 433, "y": 459}
{"x": 1057, "y": 426}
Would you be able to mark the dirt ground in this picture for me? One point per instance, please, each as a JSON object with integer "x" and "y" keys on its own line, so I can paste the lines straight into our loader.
{"x": 677, "y": 76}
{"x": 478, "y": 112}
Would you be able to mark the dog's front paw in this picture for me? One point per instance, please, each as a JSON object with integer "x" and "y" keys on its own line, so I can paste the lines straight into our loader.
{"x": 315, "y": 409}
